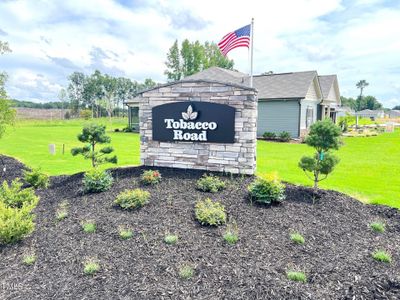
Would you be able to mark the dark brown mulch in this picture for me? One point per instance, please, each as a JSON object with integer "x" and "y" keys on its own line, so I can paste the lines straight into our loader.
{"x": 336, "y": 256}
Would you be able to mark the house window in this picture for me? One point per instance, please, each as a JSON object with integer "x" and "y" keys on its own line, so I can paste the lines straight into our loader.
{"x": 309, "y": 116}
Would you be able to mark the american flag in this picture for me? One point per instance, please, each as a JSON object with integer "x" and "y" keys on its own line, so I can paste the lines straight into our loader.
{"x": 235, "y": 39}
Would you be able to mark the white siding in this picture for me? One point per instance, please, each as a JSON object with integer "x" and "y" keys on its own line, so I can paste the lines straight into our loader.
{"x": 304, "y": 105}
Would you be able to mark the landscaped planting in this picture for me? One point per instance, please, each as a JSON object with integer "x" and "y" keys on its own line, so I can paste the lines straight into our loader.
{"x": 267, "y": 190}
{"x": 210, "y": 183}
{"x": 296, "y": 276}
{"x": 297, "y": 238}
{"x": 89, "y": 226}
{"x": 62, "y": 211}
{"x": 382, "y": 256}
{"x": 336, "y": 257}
{"x": 377, "y": 226}
{"x": 125, "y": 232}
{"x": 150, "y": 177}
{"x": 15, "y": 196}
{"x": 29, "y": 259}
{"x": 37, "y": 179}
{"x": 97, "y": 180}
{"x": 171, "y": 239}
{"x": 130, "y": 199}
{"x": 210, "y": 212}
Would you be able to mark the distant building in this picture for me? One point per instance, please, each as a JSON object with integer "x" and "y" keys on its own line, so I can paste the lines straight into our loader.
{"x": 372, "y": 114}
{"x": 393, "y": 114}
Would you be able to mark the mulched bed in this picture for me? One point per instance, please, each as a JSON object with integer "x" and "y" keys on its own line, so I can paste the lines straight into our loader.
{"x": 336, "y": 256}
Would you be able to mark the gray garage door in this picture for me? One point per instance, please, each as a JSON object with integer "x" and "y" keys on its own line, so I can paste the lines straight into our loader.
{"x": 278, "y": 116}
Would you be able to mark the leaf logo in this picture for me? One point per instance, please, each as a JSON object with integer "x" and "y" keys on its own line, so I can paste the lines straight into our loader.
{"x": 189, "y": 114}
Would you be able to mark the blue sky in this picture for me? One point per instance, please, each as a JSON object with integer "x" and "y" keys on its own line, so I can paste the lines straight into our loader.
{"x": 356, "y": 40}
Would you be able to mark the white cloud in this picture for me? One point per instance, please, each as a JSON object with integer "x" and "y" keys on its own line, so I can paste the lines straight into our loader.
{"x": 356, "y": 41}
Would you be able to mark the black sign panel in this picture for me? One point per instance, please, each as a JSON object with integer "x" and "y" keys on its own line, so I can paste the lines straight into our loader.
{"x": 194, "y": 122}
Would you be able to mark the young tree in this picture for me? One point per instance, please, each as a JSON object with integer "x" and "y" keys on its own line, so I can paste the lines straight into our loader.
{"x": 173, "y": 71}
{"x": 95, "y": 134}
{"x": 76, "y": 91}
{"x": 323, "y": 137}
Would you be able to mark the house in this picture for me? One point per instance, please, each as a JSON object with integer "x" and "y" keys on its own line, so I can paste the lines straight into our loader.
{"x": 287, "y": 101}
{"x": 394, "y": 114}
{"x": 372, "y": 114}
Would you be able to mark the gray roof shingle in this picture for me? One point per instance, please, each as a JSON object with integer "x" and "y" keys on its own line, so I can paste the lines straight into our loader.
{"x": 326, "y": 82}
{"x": 270, "y": 86}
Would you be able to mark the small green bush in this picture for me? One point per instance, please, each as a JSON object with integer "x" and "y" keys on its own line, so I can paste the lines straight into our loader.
{"x": 89, "y": 226}
{"x": 297, "y": 238}
{"x": 150, "y": 177}
{"x": 284, "y": 136}
{"x": 130, "y": 199}
{"x": 382, "y": 256}
{"x": 267, "y": 189}
{"x": 37, "y": 179}
{"x": 296, "y": 276}
{"x": 125, "y": 233}
{"x": 96, "y": 180}
{"x": 171, "y": 239}
{"x": 15, "y": 196}
{"x": 377, "y": 227}
{"x": 210, "y": 183}
{"x": 91, "y": 267}
{"x": 29, "y": 259}
{"x": 231, "y": 235}
{"x": 209, "y": 212}
{"x": 186, "y": 272}
{"x": 16, "y": 223}
{"x": 269, "y": 135}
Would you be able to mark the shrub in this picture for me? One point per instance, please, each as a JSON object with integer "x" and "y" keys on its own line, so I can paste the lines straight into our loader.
{"x": 16, "y": 223}
{"x": 210, "y": 183}
{"x": 377, "y": 226}
{"x": 150, "y": 177}
{"x": 130, "y": 199}
{"x": 96, "y": 180}
{"x": 382, "y": 256}
{"x": 15, "y": 196}
{"x": 91, "y": 267}
{"x": 186, "y": 272}
{"x": 267, "y": 189}
{"x": 85, "y": 114}
{"x": 284, "y": 136}
{"x": 209, "y": 212}
{"x": 296, "y": 276}
{"x": 128, "y": 129}
{"x": 269, "y": 135}
{"x": 29, "y": 259}
{"x": 89, "y": 226}
{"x": 125, "y": 233}
{"x": 171, "y": 239}
{"x": 297, "y": 238}
{"x": 36, "y": 178}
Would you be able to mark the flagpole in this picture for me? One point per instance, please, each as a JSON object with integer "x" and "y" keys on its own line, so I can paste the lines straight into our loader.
{"x": 251, "y": 52}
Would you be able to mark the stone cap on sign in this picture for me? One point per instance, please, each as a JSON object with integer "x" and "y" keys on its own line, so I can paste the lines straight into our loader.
{"x": 240, "y": 86}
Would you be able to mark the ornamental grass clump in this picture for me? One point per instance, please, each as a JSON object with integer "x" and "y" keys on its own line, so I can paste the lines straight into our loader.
{"x": 91, "y": 267}
{"x": 37, "y": 179}
{"x": 96, "y": 181}
{"x": 29, "y": 259}
{"x": 130, "y": 199}
{"x": 150, "y": 177}
{"x": 125, "y": 233}
{"x": 186, "y": 272}
{"x": 267, "y": 189}
{"x": 377, "y": 226}
{"x": 89, "y": 226}
{"x": 210, "y": 183}
{"x": 62, "y": 211}
{"x": 382, "y": 256}
{"x": 297, "y": 238}
{"x": 231, "y": 235}
{"x": 171, "y": 239}
{"x": 210, "y": 212}
{"x": 296, "y": 276}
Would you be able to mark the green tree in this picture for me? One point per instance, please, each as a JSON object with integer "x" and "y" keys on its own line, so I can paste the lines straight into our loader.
{"x": 397, "y": 107}
{"x": 324, "y": 136}
{"x": 7, "y": 114}
{"x": 348, "y": 102}
{"x": 94, "y": 134}
{"x": 361, "y": 85}
{"x": 76, "y": 91}
{"x": 193, "y": 57}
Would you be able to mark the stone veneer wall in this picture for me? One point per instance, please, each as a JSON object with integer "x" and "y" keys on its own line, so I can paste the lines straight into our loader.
{"x": 239, "y": 157}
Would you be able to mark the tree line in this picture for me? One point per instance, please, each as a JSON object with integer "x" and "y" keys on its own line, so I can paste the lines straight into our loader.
{"x": 100, "y": 92}
{"x": 361, "y": 102}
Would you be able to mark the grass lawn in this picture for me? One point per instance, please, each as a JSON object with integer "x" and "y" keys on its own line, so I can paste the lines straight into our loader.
{"x": 368, "y": 169}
